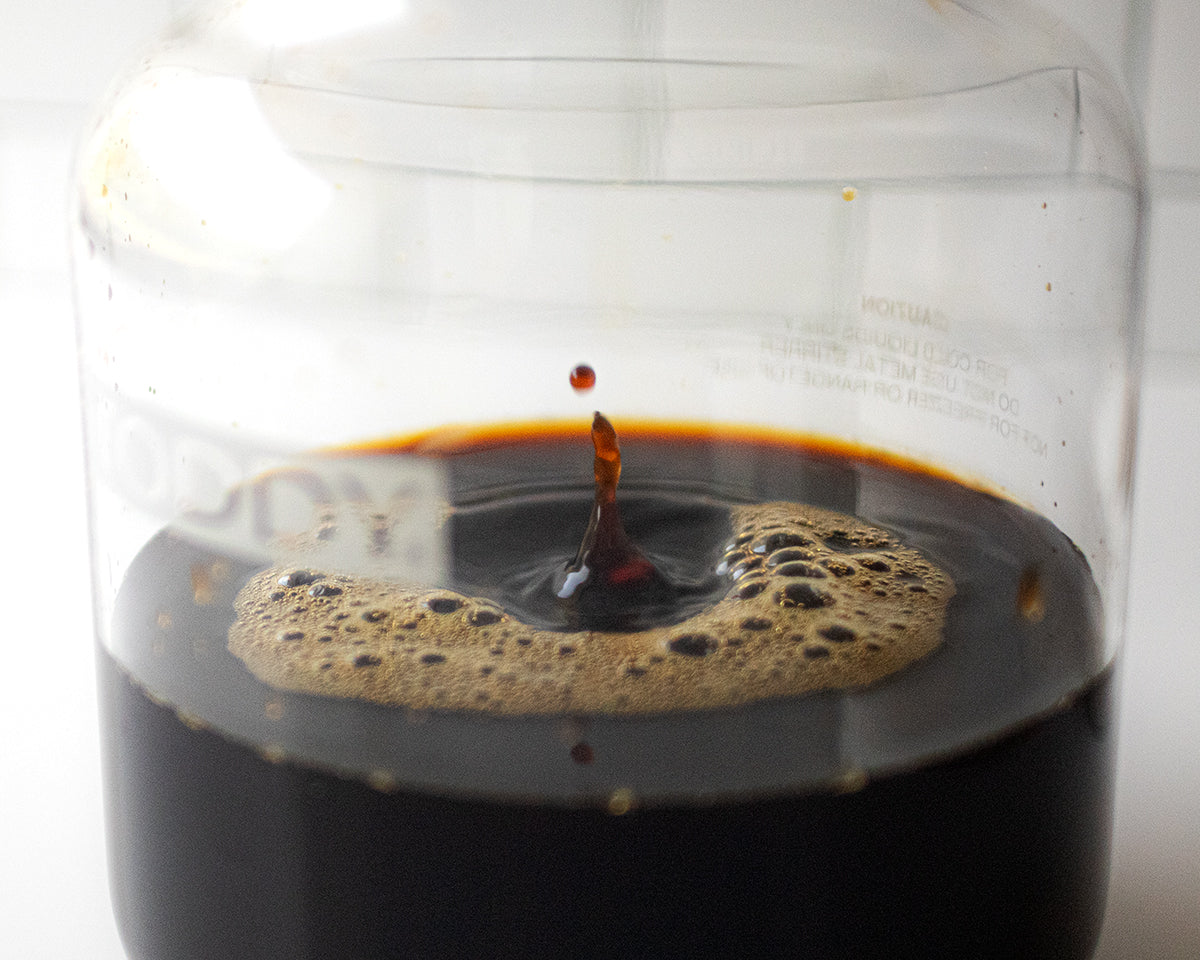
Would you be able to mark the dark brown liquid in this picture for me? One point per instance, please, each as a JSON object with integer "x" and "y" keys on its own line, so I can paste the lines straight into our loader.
{"x": 611, "y": 584}
{"x": 582, "y": 378}
{"x": 957, "y": 809}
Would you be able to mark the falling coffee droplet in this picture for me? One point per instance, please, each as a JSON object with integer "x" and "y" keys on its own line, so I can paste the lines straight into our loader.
{"x": 583, "y": 378}
{"x": 610, "y": 582}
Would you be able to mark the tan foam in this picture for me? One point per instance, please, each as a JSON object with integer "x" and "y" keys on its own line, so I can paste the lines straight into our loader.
{"x": 844, "y": 608}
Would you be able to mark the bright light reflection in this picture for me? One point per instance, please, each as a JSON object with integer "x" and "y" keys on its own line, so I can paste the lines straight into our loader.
{"x": 206, "y": 141}
{"x": 291, "y": 22}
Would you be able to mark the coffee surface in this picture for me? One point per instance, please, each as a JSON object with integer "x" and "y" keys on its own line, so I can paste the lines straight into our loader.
{"x": 1008, "y": 627}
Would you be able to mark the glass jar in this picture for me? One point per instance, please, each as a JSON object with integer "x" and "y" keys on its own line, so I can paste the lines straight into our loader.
{"x": 854, "y": 289}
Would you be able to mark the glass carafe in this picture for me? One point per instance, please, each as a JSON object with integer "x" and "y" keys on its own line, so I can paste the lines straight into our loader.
{"x": 609, "y": 480}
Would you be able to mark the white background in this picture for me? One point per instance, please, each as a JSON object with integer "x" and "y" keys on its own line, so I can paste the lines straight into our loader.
{"x": 54, "y": 61}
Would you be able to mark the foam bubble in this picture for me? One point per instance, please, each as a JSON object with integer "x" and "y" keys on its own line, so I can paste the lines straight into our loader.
{"x": 816, "y": 601}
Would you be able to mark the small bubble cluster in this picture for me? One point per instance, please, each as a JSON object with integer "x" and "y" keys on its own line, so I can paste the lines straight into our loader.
{"x": 814, "y": 601}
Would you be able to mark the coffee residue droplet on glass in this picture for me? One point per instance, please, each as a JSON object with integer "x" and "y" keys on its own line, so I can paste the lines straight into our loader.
{"x": 1031, "y": 599}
